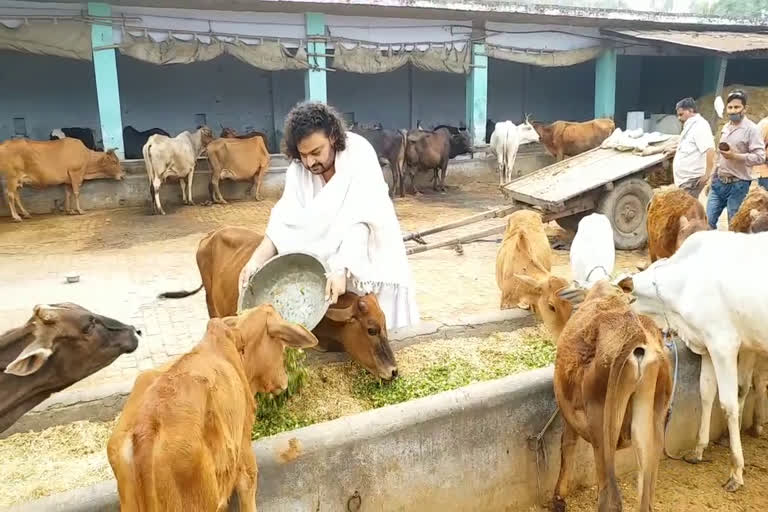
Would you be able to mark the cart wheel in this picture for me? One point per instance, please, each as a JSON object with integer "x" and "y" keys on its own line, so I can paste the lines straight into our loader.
{"x": 571, "y": 222}
{"x": 626, "y": 206}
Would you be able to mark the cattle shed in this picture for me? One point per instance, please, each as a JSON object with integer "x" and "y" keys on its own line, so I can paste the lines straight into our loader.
{"x": 243, "y": 64}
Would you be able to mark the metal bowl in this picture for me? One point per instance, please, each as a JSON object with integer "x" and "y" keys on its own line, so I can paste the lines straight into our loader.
{"x": 294, "y": 283}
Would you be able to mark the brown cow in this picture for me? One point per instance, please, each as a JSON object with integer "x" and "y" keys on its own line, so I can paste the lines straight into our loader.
{"x": 613, "y": 385}
{"x": 59, "y": 345}
{"x": 757, "y": 199}
{"x": 183, "y": 441}
{"x": 564, "y": 138}
{"x": 43, "y": 164}
{"x": 231, "y": 133}
{"x": 673, "y": 216}
{"x": 759, "y": 221}
{"x": 354, "y": 324}
{"x": 238, "y": 160}
{"x": 425, "y": 150}
{"x": 524, "y": 251}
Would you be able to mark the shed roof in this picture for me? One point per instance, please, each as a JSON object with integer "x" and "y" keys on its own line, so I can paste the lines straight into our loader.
{"x": 721, "y": 42}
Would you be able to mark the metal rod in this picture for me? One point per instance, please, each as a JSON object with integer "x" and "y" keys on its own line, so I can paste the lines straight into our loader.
{"x": 498, "y": 212}
{"x": 463, "y": 239}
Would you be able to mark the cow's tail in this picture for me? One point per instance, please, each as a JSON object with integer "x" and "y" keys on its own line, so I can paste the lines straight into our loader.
{"x": 505, "y": 159}
{"x": 147, "y": 151}
{"x": 636, "y": 349}
{"x": 180, "y": 294}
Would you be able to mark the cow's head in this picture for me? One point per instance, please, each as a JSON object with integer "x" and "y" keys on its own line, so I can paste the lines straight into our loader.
{"x": 686, "y": 228}
{"x": 59, "y": 345}
{"x": 206, "y": 135}
{"x": 526, "y": 132}
{"x": 543, "y": 130}
{"x": 546, "y": 303}
{"x": 460, "y": 142}
{"x": 261, "y": 335}
{"x": 104, "y": 165}
{"x": 758, "y": 221}
{"x": 228, "y": 133}
{"x": 360, "y": 327}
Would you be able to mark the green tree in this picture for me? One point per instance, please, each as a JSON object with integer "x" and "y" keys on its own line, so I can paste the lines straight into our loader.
{"x": 734, "y": 8}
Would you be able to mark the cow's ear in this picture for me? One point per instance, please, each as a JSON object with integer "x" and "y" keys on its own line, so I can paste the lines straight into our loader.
{"x": 31, "y": 359}
{"x": 626, "y": 284}
{"x": 292, "y": 335}
{"x": 533, "y": 286}
{"x": 754, "y": 214}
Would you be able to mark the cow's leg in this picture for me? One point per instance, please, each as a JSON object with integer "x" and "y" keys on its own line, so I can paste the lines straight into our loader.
{"x": 725, "y": 363}
{"x": 567, "y": 446}
{"x": 10, "y": 196}
{"x": 190, "y": 176}
{"x": 22, "y": 211}
{"x": 443, "y": 170}
{"x": 257, "y": 180}
{"x": 760, "y": 381}
{"x": 412, "y": 173}
{"x": 156, "y": 182}
{"x": 645, "y": 436}
{"x": 183, "y": 187}
{"x": 245, "y": 487}
{"x": 76, "y": 192}
{"x": 708, "y": 391}
{"x": 746, "y": 368}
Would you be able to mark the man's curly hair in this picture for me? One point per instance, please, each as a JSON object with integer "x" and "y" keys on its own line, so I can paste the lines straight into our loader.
{"x": 309, "y": 117}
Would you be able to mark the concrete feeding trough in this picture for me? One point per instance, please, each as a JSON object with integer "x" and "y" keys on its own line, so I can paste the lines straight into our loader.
{"x": 73, "y": 277}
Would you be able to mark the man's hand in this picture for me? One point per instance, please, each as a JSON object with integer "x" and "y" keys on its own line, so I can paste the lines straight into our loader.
{"x": 335, "y": 286}
{"x": 731, "y": 155}
{"x": 247, "y": 271}
{"x": 703, "y": 181}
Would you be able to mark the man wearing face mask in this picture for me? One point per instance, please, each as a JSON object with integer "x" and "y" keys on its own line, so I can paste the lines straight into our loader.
{"x": 740, "y": 148}
{"x": 336, "y": 206}
{"x": 695, "y": 155}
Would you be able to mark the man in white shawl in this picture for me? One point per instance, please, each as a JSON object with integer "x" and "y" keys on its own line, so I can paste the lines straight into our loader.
{"x": 336, "y": 206}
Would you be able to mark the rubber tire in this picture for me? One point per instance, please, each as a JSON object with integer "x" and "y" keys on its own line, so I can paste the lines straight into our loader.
{"x": 632, "y": 196}
{"x": 571, "y": 222}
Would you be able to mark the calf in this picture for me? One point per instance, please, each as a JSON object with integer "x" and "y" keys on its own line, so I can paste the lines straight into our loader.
{"x": 390, "y": 148}
{"x": 592, "y": 255}
{"x": 757, "y": 200}
{"x": 564, "y": 138}
{"x": 424, "y": 151}
{"x": 165, "y": 157}
{"x": 134, "y": 140}
{"x": 183, "y": 440}
{"x": 355, "y": 325}
{"x": 59, "y": 345}
{"x": 758, "y": 221}
{"x": 505, "y": 141}
{"x": 84, "y": 135}
{"x": 238, "y": 160}
{"x": 720, "y": 315}
{"x": 673, "y": 216}
{"x": 42, "y": 164}
{"x": 524, "y": 252}
{"x": 613, "y": 385}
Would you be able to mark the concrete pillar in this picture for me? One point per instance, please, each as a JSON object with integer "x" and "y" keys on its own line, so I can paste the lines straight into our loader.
{"x": 107, "y": 88}
{"x": 605, "y": 84}
{"x": 315, "y": 87}
{"x": 477, "y": 94}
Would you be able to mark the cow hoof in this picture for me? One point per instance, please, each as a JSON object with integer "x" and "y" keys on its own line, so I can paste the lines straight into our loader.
{"x": 558, "y": 504}
{"x": 755, "y": 431}
{"x": 732, "y": 485}
{"x": 26, "y": 215}
{"x": 691, "y": 458}
{"x": 80, "y": 212}
{"x": 258, "y": 198}
{"x": 17, "y": 219}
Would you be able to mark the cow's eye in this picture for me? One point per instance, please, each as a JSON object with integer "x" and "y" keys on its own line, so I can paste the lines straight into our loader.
{"x": 89, "y": 326}
{"x": 552, "y": 307}
{"x": 373, "y": 331}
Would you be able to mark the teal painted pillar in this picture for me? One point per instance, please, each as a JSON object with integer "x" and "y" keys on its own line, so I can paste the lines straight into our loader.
{"x": 477, "y": 94}
{"x": 315, "y": 87}
{"x": 714, "y": 79}
{"x": 107, "y": 88}
{"x": 605, "y": 84}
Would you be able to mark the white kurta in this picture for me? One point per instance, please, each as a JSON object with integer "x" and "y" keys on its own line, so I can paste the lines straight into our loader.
{"x": 351, "y": 223}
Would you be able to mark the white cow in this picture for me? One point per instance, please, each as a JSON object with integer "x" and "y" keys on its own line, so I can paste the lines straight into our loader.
{"x": 712, "y": 293}
{"x": 505, "y": 141}
{"x": 593, "y": 253}
{"x": 174, "y": 156}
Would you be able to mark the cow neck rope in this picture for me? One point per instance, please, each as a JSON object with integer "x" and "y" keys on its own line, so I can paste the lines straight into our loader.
{"x": 670, "y": 343}
{"x": 595, "y": 268}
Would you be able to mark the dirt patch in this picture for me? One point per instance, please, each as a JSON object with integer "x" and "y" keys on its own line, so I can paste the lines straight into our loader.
{"x": 681, "y": 486}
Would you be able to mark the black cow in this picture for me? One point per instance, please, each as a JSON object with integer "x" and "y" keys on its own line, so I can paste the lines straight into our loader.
{"x": 134, "y": 140}
{"x": 390, "y": 148}
{"x": 459, "y": 142}
{"x": 427, "y": 150}
{"x": 85, "y": 135}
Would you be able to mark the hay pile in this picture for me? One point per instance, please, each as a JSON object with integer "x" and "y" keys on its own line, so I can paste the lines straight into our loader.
{"x": 757, "y": 103}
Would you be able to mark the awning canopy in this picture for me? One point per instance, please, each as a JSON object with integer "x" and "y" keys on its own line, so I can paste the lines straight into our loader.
{"x": 718, "y": 42}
